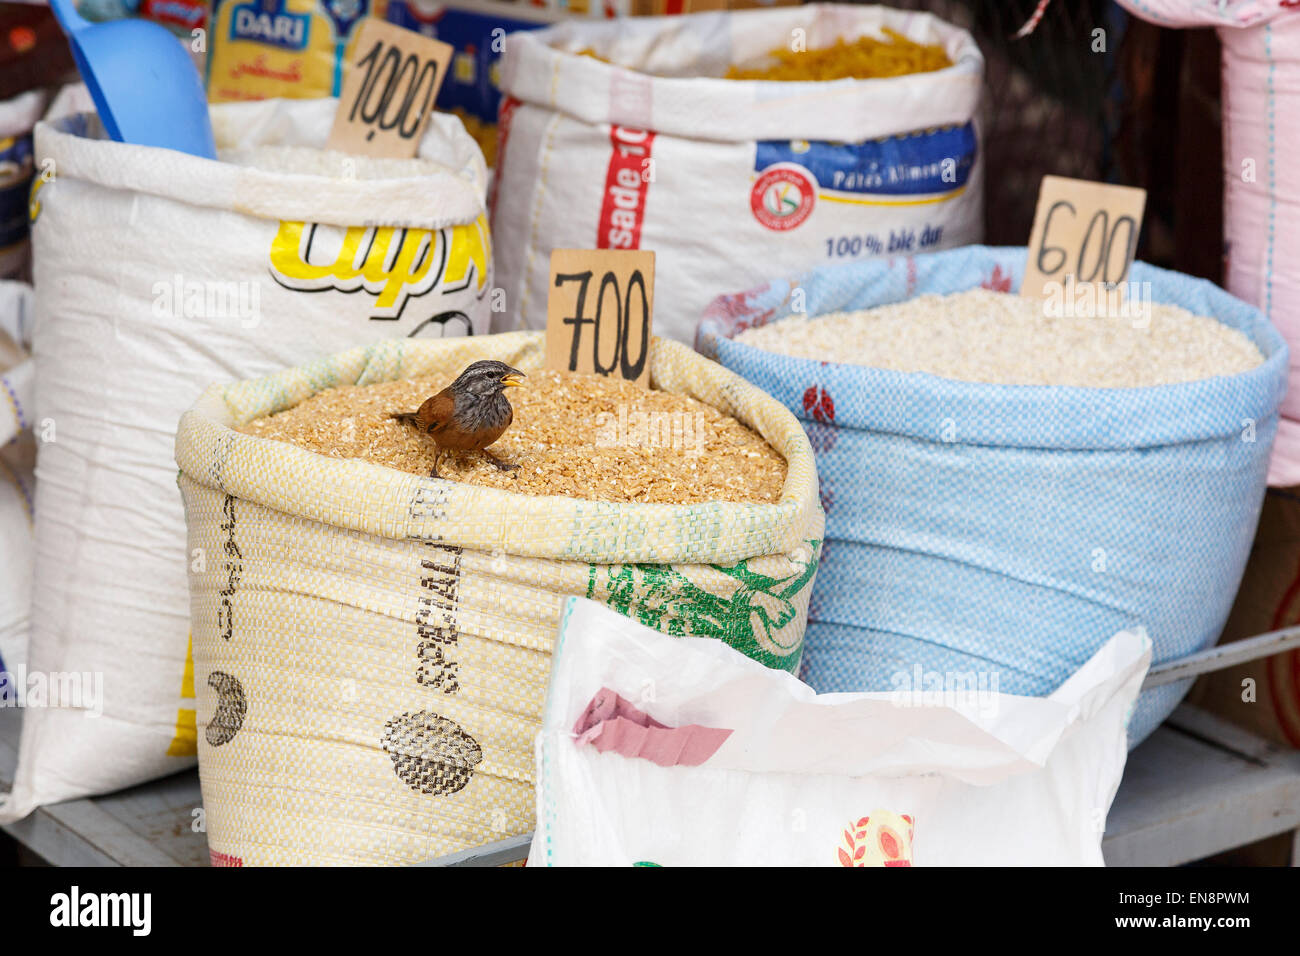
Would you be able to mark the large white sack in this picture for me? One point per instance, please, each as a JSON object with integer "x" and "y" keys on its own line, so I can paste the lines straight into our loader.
{"x": 157, "y": 274}
{"x": 739, "y": 180}
{"x": 733, "y": 764}
{"x": 17, "y": 481}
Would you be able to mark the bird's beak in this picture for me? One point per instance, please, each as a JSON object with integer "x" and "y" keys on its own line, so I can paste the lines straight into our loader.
{"x": 512, "y": 380}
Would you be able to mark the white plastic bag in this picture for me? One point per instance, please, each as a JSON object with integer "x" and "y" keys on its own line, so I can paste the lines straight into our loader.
{"x": 158, "y": 274}
{"x": 729, "y": 182}
{"x": 748, "y": 766}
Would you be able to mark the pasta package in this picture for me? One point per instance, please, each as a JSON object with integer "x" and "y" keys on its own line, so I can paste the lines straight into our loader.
{"x": 629, "y": 134}
{"x": 282, "y": 48}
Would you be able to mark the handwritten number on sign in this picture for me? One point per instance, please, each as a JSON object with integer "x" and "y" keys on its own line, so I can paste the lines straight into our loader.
{"x": 1085, "y": 233}
{"x": 1106, "y": 246}
{"x": 389, "y": 88}
{"x": 401, "y": 74}
{"x": 633, "y": 370}
{"x": 624, "y": 317}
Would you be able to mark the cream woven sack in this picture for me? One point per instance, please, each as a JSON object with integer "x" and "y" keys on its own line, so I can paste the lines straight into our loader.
{"x": 157, "y": 274}
{"x": 730, "y": 182}
{"x": 372, "y": 648}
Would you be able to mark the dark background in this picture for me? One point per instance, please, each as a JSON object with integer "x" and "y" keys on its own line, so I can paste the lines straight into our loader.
{"x": 1146, "y": 112}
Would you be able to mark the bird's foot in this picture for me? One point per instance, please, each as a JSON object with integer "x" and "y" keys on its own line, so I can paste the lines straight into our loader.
{"x": 502, "y": 465}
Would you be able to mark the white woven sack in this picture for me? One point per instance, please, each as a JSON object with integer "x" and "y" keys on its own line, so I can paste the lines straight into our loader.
{"x": 17, "y": 483}
{"x": 158, "y": 273}
{"x": 732, "y": 764}
{"x": 727, "y": 178}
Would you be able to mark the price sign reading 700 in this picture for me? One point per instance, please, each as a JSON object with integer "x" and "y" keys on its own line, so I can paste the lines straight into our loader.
{"x": 600, "y": 311}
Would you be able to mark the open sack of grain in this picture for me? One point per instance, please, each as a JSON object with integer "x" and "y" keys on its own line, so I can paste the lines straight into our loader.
{"x": 972, "y": 778}
{"x": 630, "y": 134}
{"x": 1010, "y": 529}
{"x": 17, "y": 483}
{"x": 158, "y": 273}
{"x": 372, "y": 645}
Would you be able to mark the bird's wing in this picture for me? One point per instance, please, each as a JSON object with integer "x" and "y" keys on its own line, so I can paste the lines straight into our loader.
{"x": 436, "y": 412}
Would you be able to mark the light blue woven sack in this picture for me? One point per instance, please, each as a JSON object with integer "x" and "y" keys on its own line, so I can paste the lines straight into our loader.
{"x": 1007, "y": 530}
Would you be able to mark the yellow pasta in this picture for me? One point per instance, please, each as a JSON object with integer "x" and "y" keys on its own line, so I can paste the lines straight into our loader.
{"x": 862, "y": 59}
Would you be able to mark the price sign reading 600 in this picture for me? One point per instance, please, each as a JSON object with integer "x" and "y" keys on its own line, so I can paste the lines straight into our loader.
{"x": 600, "y": 311}
{"x": 389, "y": 91}
{"x": 1097, "y": 249}
{"x": 1083, "y": 232}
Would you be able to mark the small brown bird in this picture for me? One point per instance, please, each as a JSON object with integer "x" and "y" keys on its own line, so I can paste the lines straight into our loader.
{"x": 470, "y": 413}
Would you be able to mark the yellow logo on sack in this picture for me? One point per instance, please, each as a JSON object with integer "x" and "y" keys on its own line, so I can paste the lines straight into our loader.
{"x": 392, "y": 263}
{"x": 34, "y": 204}
{"x": 185, "y": 742}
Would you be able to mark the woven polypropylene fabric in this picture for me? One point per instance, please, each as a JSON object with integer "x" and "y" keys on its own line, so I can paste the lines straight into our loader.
{"x": 372, "y": 648}
{"x": 1011, "y": 530}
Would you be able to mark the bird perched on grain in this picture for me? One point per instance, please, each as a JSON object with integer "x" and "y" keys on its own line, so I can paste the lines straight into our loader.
{"x": 470, "y": 413}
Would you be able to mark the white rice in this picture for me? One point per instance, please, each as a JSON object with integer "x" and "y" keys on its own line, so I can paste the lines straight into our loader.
{"x": 999, "y": 338}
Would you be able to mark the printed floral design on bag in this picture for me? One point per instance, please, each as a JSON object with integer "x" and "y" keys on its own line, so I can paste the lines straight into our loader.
{"x": 999, "y": 281}
{"x": 822, "y": 435}
{"x": 883, "y": 838}
{"x": 760, "y": 618}
{"x": 817, "y": 402}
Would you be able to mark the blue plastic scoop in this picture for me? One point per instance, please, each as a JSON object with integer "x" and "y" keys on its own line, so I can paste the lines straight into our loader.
{"x": 145, "y": 86}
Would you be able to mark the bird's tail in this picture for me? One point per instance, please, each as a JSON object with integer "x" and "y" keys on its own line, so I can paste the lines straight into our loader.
{"x": 406, "y": 418}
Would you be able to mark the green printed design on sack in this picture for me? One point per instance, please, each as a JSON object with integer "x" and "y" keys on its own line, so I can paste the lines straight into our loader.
{"x": 759, "y": 618}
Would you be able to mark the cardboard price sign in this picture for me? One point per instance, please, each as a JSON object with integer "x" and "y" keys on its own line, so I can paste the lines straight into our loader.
{"x": 599, "y": 312}
{"x": 1083, "y": 232}
{"x": 388, "y": 94}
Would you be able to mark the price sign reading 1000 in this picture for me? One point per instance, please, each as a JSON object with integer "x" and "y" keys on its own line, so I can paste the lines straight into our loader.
{"x": 389, "y": 92}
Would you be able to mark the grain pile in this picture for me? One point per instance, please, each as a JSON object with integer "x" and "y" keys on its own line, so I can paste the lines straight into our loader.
{"x": 999, "y": 338}
{"x": 580, "y": 436}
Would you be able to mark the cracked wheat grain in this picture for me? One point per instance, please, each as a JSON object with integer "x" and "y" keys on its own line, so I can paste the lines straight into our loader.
{"x": 580, "y": 436}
